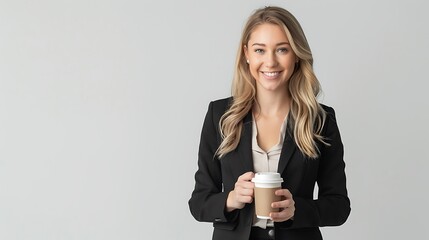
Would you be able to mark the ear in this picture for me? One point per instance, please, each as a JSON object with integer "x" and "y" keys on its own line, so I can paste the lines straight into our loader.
{"x": 245, "y": 50}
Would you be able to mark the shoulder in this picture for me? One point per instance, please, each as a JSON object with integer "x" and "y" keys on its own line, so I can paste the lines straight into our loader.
{"x": 330, "y": 112}
{"x": 217, "y": 108}
{"x": 220, "y": 106}
{"x": 328, "y": 109}
{"x": 222, "y": 103}
{"x": 330, "y": 125}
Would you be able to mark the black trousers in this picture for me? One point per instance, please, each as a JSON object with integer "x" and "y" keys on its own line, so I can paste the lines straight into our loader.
{"x": 258, "y": 233}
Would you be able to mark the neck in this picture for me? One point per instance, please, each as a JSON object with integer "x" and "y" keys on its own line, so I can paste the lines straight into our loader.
{"x": 272, "y": 104}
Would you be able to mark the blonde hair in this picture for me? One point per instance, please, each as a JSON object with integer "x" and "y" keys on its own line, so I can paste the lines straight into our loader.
{"x": 306, "y": 114}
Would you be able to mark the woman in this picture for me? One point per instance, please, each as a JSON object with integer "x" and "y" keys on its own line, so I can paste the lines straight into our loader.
{"x": 272, "y": 123}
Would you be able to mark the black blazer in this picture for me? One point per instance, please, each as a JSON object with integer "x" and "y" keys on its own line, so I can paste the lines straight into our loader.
{"x": 215, "y": 178}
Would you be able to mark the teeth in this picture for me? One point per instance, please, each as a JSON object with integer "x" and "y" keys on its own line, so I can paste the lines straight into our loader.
{"x": 271, "y": 74}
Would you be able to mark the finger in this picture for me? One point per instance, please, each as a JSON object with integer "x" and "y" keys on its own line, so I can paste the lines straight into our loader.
{"x": 246, "y": 176}
{"x": 245, "y": 199}
{"x": 281, "y": 216}
{"x": 244, "y": 185}
{"x": 284, "y": 192}
{"x": 283, "y": 204}
{"x": 248, "y": 185}
{"x": 244, "y": 192}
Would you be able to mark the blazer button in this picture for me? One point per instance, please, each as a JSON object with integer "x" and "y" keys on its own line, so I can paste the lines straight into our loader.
{"x": 271, "y": 233}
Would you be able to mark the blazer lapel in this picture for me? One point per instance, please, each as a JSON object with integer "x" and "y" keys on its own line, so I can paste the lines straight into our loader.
{"x": 289, "y": 147}
{"x": 245, "y": 145}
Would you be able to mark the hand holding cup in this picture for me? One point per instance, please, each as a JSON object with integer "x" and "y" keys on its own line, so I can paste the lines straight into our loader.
{"x": 286, "y": 206}
{"x": 242, "y": 193}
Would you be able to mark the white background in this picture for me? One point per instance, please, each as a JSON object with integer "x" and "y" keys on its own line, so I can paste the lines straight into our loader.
{"x": 102, "y": 103}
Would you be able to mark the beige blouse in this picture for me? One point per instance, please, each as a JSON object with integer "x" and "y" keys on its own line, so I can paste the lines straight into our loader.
{"x": 266, "y": 162}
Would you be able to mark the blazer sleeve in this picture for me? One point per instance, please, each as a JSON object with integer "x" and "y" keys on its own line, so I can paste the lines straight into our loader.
{"x": 332, "y": 207}
{"x": 207, "y": 202}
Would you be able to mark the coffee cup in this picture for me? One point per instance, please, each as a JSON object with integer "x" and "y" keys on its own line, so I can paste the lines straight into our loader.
{"x": 266, "y": 184}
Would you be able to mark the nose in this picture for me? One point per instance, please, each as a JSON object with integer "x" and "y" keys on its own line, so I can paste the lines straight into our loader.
{"x": 271, "y": 60}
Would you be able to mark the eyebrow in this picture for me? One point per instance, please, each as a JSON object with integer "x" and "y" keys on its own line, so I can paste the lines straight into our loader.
{"x": 263, "y": 45}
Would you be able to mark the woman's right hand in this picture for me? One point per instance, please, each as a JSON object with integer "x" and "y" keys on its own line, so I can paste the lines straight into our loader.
{"x": 242, "y": 193}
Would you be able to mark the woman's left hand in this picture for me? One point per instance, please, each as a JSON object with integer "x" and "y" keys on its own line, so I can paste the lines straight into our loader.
{"x": 286, "y": 206}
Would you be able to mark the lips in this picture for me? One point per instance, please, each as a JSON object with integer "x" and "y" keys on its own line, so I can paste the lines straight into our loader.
{"x": 271, "y": 75}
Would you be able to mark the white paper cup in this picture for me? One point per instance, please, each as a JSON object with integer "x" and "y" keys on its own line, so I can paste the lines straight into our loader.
{"x": 266, "y": 183}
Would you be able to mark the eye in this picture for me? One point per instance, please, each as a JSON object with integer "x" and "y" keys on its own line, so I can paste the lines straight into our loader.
{"x": 258, "y": 50}
{"x": 282, "y": 50}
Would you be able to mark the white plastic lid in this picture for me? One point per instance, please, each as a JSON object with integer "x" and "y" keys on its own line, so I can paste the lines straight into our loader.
{"x": 267, "y": 177}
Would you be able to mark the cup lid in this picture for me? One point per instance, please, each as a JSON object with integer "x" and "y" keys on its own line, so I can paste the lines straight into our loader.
{"x": 267, "y": 177}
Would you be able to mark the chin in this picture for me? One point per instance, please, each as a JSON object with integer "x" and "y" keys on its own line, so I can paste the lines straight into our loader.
{"x": 272, "y": 85}
{"x": 271, "y": 88}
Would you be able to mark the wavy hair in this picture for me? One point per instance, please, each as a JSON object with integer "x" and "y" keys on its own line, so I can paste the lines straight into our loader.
{"x": 306, "y": 116}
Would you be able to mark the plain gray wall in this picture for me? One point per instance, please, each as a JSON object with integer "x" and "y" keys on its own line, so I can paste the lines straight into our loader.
{"x": 102, "y": 103}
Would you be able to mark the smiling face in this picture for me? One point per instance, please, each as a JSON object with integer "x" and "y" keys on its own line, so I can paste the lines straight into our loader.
{"x": 270, "y": 56}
